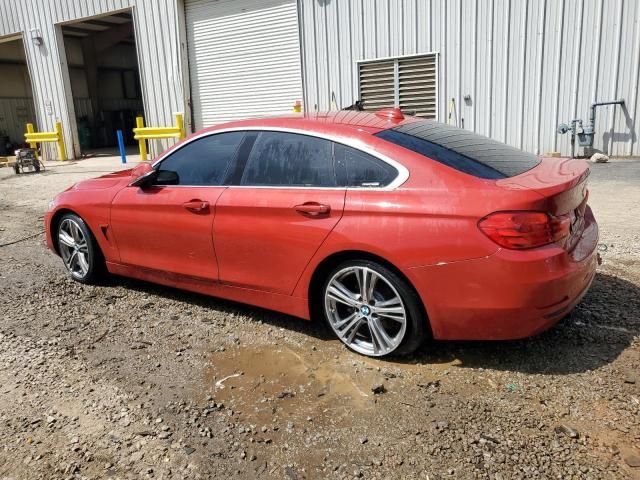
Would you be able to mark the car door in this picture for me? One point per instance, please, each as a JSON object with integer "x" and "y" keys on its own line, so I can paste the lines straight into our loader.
{"x": 278, "y": 211}
{"x": 168, "y": 227}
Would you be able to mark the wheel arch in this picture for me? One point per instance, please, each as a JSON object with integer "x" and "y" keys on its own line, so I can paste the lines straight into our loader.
{"x": 333, "y": 260}
{"x": 55, "y": 221}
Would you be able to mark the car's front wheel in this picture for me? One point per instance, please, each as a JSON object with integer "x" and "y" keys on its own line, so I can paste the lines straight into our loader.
{"x": 373, "y": 310}
{"x": 79, "y": 250}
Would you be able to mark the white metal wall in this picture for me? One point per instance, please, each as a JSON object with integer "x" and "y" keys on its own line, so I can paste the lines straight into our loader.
{"x": 517, "y": 59}
{"x": 15, "y": 112}
{"x": 527, "y": 65}
{"x": 160, "y": 52}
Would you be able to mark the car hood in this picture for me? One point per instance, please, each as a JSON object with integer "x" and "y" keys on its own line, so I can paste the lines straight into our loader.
{"x": 105, "y": 181}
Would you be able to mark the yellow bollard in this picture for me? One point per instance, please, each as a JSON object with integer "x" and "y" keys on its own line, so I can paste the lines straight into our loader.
{"x": 180, "y": 126}
{"x": 297, "y": 107}
{"x": 33, "y": 145}
{"x": 142, "y": 141}
{"x": 33, "y": 138}
{"x": 142, "y": 133}
{"x": 62, "y": 151}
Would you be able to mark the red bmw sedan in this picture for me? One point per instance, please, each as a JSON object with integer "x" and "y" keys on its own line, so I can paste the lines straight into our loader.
{"x": 392, "y": 229}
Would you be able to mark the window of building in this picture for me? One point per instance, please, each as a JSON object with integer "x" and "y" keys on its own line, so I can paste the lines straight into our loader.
{"x": 406, "y": 82}
{"x": 203, "y": 161}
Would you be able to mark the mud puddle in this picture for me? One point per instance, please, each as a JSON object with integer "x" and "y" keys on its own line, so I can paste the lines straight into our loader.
{"x": 267, "y": 384}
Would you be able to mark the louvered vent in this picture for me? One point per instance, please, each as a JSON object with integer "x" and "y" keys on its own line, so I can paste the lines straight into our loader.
{"x": 417, "y": 85}
{"x": 407, "y": 82}
{"x": 377, "y": 84}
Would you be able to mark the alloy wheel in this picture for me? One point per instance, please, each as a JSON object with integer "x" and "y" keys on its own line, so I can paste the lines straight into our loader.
{"x": 365, "y": 311}
{"x": 74, "y": 248}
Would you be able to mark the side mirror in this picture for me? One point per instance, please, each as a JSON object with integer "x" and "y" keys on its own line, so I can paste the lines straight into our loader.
{"x": 167, "y": 177}
{"x": 156, "y": 177}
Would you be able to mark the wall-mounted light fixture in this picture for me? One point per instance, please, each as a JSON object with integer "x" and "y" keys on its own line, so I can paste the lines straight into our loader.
{"x": 36, "y": 37}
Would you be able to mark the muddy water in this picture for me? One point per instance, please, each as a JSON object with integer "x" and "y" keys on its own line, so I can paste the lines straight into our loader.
{"x": 269, "y": 384}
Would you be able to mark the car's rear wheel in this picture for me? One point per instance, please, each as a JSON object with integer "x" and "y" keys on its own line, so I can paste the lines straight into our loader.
{"x": 79, "y": 250}
{"x": 373, "y": 310}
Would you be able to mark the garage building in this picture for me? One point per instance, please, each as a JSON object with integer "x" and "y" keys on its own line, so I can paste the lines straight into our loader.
{"x": 511, "y": 70}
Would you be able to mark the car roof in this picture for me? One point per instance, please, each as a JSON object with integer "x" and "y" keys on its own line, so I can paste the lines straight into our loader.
{"x": 370, "y": 122}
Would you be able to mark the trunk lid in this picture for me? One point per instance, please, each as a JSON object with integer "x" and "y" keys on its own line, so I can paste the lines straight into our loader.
{"x": 562, "y": 183}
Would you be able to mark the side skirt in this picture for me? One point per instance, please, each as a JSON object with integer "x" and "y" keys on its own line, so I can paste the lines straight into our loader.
{"x": 295, "y": 306}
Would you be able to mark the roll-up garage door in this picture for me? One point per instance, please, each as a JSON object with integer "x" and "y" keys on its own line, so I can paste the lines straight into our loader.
{"x": 244, "y": 58}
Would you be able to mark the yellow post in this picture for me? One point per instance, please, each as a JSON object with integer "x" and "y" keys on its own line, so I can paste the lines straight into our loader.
{"x": 141, "y": 142}
{"x": 33, "y": 145}
{"x": 180, "y": 126}
{"x": 62, "y": 151}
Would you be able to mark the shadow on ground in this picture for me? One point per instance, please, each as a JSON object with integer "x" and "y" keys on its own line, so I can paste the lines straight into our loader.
{"x": 275, "y": 319}
{"x": 595, "y": 333}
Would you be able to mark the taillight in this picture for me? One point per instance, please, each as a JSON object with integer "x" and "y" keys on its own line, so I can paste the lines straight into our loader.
{"x": 520, "y": 230}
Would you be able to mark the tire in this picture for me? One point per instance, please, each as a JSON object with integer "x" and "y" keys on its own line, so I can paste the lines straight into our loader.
{"x": 79, "y": 250}
{"x": 387, "y": 319}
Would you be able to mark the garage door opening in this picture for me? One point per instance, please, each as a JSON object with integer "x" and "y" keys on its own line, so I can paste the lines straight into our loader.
{"x": 16, "y": 97}
{"x": 105, "y": 80}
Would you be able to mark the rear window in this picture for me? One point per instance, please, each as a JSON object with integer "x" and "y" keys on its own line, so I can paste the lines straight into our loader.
{"x": 359, "y": 169}
{"x": 460, "y": 149}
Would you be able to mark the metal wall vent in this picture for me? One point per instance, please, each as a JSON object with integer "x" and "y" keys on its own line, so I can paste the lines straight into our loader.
{"x": 410, "y": 83}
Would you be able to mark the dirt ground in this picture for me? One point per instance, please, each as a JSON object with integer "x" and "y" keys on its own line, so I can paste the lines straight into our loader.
{"x": 133, "y": 380}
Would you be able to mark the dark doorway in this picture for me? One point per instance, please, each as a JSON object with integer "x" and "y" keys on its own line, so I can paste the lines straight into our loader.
{"x": 16, "y": 97}
{"x": 105, "y": 80}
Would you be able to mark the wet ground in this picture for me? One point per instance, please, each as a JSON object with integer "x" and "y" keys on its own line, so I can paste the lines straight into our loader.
{"x": 133, "y": 380}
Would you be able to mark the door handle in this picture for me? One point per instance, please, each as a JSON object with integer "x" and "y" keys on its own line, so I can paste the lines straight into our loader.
{"x": 196, "y": 206}
{"x": 313, "y": 209}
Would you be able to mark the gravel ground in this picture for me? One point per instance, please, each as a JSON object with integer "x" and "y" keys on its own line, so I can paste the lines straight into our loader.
{"x": 133, "y": 380}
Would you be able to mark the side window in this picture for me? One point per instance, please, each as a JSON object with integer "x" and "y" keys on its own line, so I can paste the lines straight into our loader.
{"x": 289, "y": 159}
{"x": 359, "y": 169}
{"x": 203, "y": 161}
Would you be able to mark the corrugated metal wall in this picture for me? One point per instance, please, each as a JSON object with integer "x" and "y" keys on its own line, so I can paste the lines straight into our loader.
{"x": 527, "y": 65}
{"x": 14, "y": 114}
{"x": 159, "y": 53}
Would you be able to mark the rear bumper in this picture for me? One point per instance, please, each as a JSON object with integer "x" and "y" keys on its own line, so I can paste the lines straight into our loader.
{"x": 510, "y": 294}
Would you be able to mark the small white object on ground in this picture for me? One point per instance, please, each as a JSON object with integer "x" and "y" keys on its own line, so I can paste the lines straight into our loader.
{"x": 219, "y": 383}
